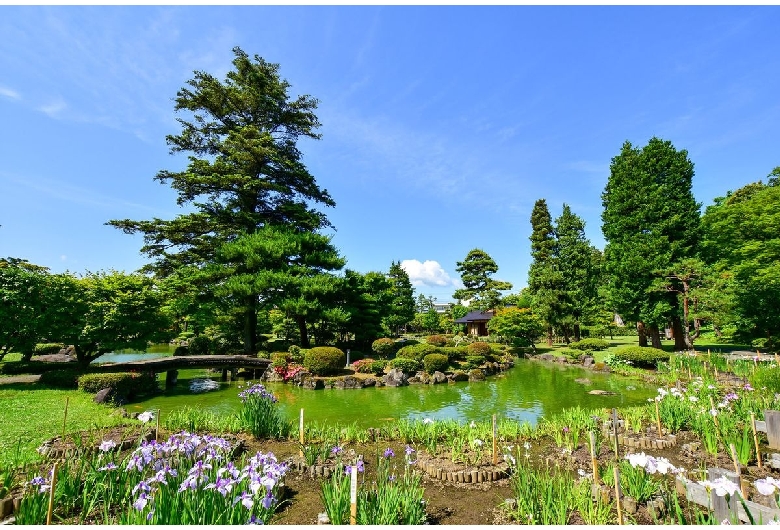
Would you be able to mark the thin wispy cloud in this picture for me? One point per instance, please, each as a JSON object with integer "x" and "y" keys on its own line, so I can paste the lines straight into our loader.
{"x": 69, "y": 193}
{"x": 54, "y": 108}
{"x": 9, "y": 93}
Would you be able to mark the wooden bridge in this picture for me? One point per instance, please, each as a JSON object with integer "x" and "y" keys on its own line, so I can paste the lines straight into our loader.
{"x": 172, "y": 365}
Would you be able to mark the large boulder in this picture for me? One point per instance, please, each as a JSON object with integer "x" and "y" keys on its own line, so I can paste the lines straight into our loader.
{"x": 347, "y": 382}
{"x": 588, "y": 361}
{"x": 438, "y": 378}
{"x": 312, "y": 383}
{"x": 396, "y": 377}
{"x": 476, "y": 375}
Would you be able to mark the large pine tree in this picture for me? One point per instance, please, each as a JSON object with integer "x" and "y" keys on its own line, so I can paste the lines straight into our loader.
{"x": 245, "y": 172}
{"x": 650, "y": 221}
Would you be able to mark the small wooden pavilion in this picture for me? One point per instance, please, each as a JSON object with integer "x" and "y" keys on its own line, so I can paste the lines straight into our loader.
{"x": 476, "y": 322}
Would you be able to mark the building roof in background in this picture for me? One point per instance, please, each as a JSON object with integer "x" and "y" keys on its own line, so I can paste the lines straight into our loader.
{"x": 475, "y": 316}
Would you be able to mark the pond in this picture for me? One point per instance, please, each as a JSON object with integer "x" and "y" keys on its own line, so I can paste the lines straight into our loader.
{"x": 527, "y": 392}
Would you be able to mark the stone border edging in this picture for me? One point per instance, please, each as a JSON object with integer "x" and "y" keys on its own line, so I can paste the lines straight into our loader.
{"x": 465, "y": 476}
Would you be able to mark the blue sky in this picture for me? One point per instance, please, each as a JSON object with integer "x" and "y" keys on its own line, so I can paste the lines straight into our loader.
{"x": 441, "y": 125}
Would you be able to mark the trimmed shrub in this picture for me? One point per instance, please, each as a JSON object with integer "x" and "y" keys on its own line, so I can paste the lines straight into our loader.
{"x": 47, "y": 348}
{"x": 479, "y": 348}
{"x": 280, "y": 359}
{"x": 458, "y": 353}
{"x": 126, "y": 384}
{"x": 416, "y": 351}
{"x": 437, "y": 340}
{"x": 200, "y": 345}
{"x": 641, "y": 357}
{"x": 67, "y": 378}
{"x": 435, "y": 362}
{"x": 181, "y": 351}
{"x": 296, "y": 354}
{"x": 474, "y": 361}
{"x": 383, "y": 347}
{"x": 574, "y": 355}
{"x": 324, "y": 360}
{"x": 369, "y": 366}
{"x": 590, "y": 344}
{"x": 405, "y": 365}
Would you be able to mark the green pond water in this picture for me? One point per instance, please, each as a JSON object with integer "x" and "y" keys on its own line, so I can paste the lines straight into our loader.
{"x": 527, "y": 392}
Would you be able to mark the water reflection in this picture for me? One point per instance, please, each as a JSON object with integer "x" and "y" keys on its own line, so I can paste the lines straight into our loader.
{"x": 527, "y": 392}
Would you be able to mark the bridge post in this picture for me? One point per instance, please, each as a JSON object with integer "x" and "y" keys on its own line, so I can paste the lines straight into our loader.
{"x": 224, "y": 375}
{"x": 171, "y": 378}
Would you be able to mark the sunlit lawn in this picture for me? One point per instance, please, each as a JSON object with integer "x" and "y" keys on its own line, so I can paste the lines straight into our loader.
{"x": 31, "y": 414}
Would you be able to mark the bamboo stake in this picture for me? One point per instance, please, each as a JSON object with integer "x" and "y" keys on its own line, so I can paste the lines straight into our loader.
{"x": 689, "y": 374}
{"x": 733, "y": 451}
{"x": 157, "y": 428}
{"x": 495, "y": 449}
{"x": 593, "y": 460}
{"x": 755, "y": 438}
{"x": 614, "y": 431}
{"x": 658, "y": 418}
{"x": 50, "y": 510}
{"x": 709, "y": 355}
{"x": 65, "y": 418}
{"x": 617, "y": 494}
{"x": 353, "y": 497}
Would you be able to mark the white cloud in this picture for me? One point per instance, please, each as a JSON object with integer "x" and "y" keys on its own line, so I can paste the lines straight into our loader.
{"x": 7, "y": 92}
{"x": 428, "y": 273}
{"x": 54, "y": 109}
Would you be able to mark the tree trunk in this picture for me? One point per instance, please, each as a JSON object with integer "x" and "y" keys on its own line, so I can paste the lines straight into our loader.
{"x": 304, "y": 332}
{"x": 679, "y": 335}
{"x": 577, "y": 332}
{"x": 250, "y": 326}
{"x": 655, "y": 336}
{"x": 697, "y": 328}
{"x": 640, "y": 329}
{"x": 549, "y": 335}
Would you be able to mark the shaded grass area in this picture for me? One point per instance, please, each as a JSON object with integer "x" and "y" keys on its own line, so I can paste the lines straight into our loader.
{"x": 32, "y": 413}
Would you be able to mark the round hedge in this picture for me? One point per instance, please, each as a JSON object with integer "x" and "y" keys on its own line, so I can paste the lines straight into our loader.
{"x": 383, "y": 347}
{"x": 200, "y": 345}
{"x": 639, "y": 356}
{"x": 437, "y": 340}
{"x": 405, "y": 365}
{"x": 435, "y": 362}
{"x": 416, "y": 351}
{"x": 479, "y": 348}
{"x": 324, "y": 360}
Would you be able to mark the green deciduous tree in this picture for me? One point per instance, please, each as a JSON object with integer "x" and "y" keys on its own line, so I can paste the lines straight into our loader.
{"x": 650, "y": 220}
{"x": 479, "y": 287}
{"x": 742, "y": 245}
{"x": 106, "y": 311}
{"x": 517, "y": 324}
{"x": 245, "y": 172}
{"x": 25, "y": 312}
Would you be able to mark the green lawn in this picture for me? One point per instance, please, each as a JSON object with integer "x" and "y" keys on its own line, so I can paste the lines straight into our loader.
{"x": 32, "y": 414}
